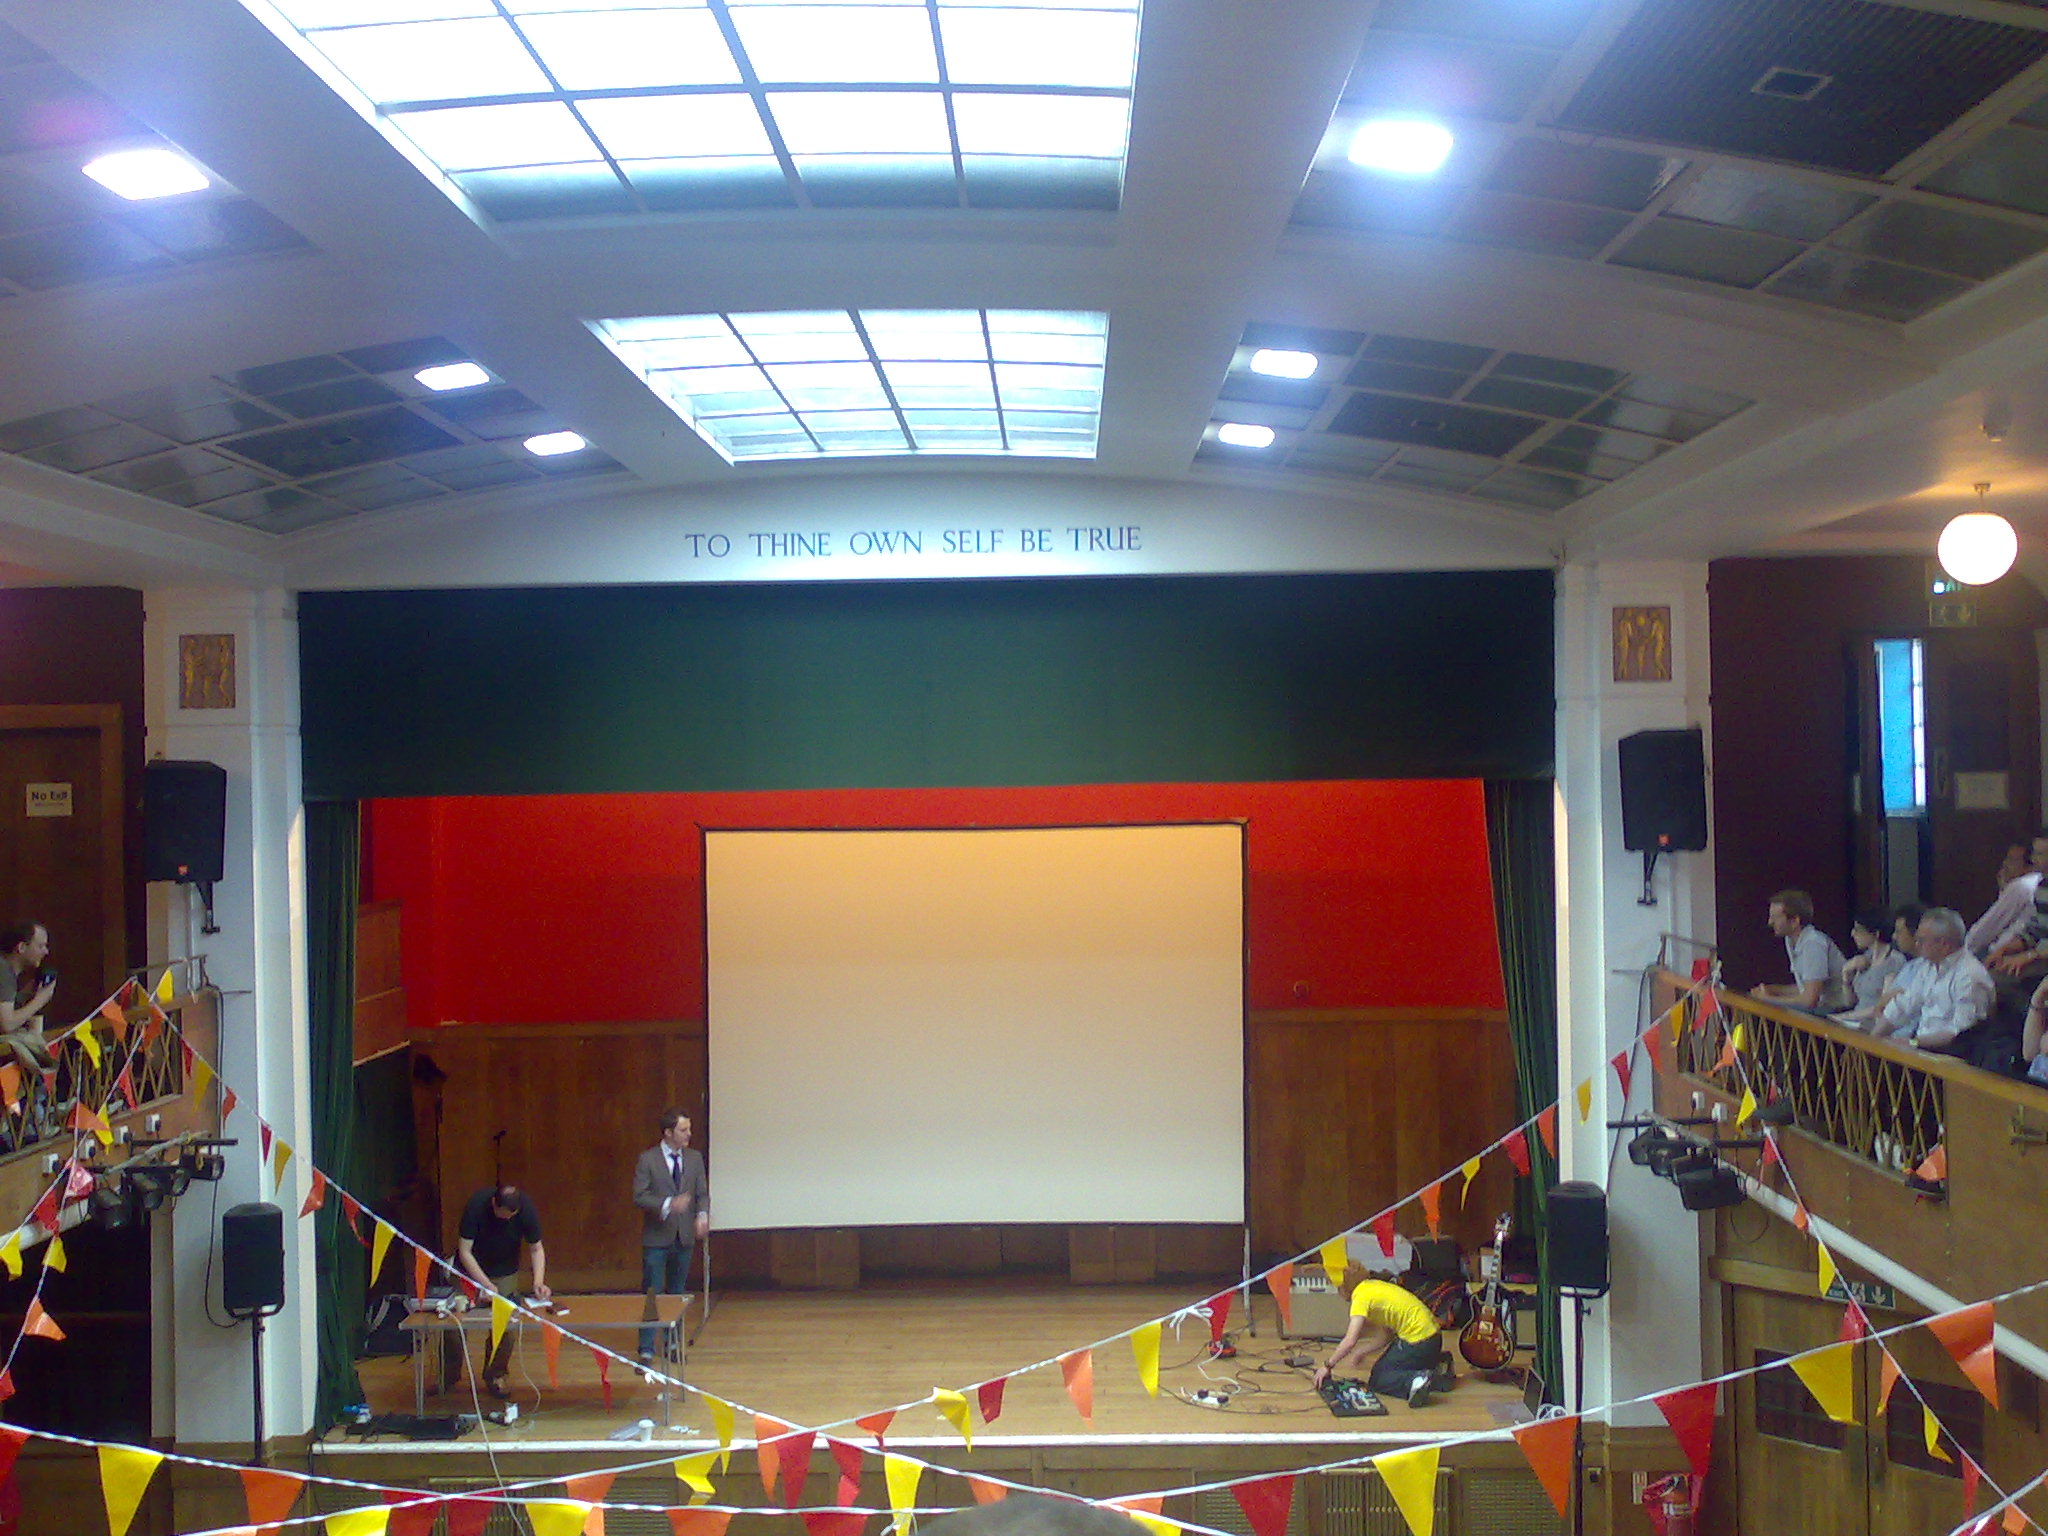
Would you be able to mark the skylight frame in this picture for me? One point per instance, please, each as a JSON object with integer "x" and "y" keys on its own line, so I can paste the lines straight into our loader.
{"x": 1078, "y": 164}
{"x": 734, "y": 378}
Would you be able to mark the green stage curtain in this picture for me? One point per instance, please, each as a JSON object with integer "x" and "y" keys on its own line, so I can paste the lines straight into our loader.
{"x": 1520, "y": 844}
{"x": 333, "y": 881}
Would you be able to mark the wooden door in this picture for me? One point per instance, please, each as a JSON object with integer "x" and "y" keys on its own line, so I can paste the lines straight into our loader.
{"x": 1796, "y": 1469}
{"x": 1982, "y": 752}
{"x": 61, "y": 860}
{"x": 1912, "y": 1492}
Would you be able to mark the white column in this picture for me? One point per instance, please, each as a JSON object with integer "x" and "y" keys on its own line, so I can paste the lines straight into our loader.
{"x": 1651, "y": 1330}
{"x": 257, "y": 959}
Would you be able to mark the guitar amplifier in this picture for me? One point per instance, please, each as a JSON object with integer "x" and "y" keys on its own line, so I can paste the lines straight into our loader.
{"x": 1319, "y": 1309}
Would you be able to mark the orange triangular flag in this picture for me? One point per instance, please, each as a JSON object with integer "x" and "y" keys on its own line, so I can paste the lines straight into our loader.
{"x": 767, "y": 1452}
{"x": 1799, "y": 1217}
{"x": 270, "y": 1495}
{"x": 699, "y": 1522}
{"x": 1966, "y": 1334}
{"x": 316, "y": 1196}
{"x": 1280, "y": 1281}
{"x": 10, "y": 1086}
{"x": 877, "y": 1424}
{"x": 986, "y": 1492}
{"x": 1547, "y": 1444}
{"x": 39, "y": 1324}
{"x": 1887, "y": 1377}
{"x": 1727, "y": 1057}
{"x": 1078, "y": 1371}
{"x": 1546, "y": 1127}
{"x": 590, "y": 1488}
{"x": 116, "y": 1019}
{"x": 422, "y": 1269}
{"x": 1934, "y": 1166}
{"x": 1655, "y": 1041}
{"x": 551, "y": 1345}
{"x": 1433, "y": 1209}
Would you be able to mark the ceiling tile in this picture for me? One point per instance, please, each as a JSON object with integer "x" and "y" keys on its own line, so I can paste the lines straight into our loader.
{"x": 1404, "y": 378}
{"x": 1694, "y": 399}
{"x": 1713, "y": 253}
{"x": 1768, "y": 202}
{"x": 1532, "y": 488}
{"x": 1579, "y": 173}
{"x": 2008, "y": 167}
{"x": 1516, "y": 22}
{"x": 1682, "y": 72}
{"x": 406, "y": 356}
{"x": 52, "y": 427}
{"x": 77, "y": 253}
{"x": 366, "y": 438}
{"x": 27, "y": 202}
{"x": 202, "y": 230}
{"x": 277, "y": 378}
{"x": 1400, "y": 73}
{"x": 1559, "y": 370}
{"x": 1269, "y": 391}
{"x": 1964, "y": 244}
{"x": 1525, "y": 224}
{"x": 96, "y": 449}
{"x": 1842, "y": 281}
{"x": 1464, "y": 428}
{"x": 1520, "y": 395}
{"x": 1427, "y": 354}
{"x": 1303, "y": 338}
{"x": 1346, "y": 199}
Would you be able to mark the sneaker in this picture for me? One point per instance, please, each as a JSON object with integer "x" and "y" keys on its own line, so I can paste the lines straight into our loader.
{"x": 1419, "y": 1389}
{"x": 495, "y": 1386}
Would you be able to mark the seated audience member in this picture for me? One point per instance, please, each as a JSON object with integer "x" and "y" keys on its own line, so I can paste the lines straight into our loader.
{"x": 2033, "y": 1060}
{"x": 1816, "y": 962}
{"x": 2007, "y": 919}
{"x": 2023, "y": 949}
{"x": 1942, "y": 997}
{"x": 26, "y": 987}
{"x": 1869, "y": 973}
{"x": 1905, "y": 920}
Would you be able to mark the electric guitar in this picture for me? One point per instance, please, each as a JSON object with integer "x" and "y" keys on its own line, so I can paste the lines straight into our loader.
{"x": 1488, "y": 1342}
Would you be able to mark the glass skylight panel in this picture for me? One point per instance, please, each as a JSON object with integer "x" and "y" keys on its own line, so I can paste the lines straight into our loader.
{"x": 748, "y": 103}
{"x": 823, "y": 383}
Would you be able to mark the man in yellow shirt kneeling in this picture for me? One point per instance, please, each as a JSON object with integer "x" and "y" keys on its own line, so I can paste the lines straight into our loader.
{"x": 1412, "y": 1364}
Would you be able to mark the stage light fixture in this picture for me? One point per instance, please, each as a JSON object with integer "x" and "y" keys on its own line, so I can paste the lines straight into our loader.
{"x": 149, "y": 1185}
{"x": 202, "y": 1164}
{"x": 109, "y": 1206}
{"x": 1709, "y": 1187}
{"x": 1670, "y": 1158}
{"x": 1642, "y": 1146}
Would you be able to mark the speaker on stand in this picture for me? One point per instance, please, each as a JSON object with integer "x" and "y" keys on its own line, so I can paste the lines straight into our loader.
{"x": 252, "y": 1286}
{"x": 1575, "y": 1227}
{"x": 1663, "y": 797}
{"x": 184, "y": 826}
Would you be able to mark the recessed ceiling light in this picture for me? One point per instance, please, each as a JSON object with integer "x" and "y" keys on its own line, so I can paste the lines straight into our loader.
{"x": 1279, "y": 364}
{"x": 548, "y": 444}
{"x": 141, "y": 174}
{"x": 1244, "y": 434}
{"x": 1401, "y": 146}
{"x": 449, "y": 376}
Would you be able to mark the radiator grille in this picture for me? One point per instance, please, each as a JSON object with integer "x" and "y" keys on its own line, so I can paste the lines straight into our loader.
{"x": 1358, "y": 1504}
{"x": 1218, "y": 1509}
{"x": 1504, "y": 1503}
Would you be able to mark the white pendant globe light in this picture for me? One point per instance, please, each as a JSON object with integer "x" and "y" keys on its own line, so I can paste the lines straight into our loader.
{"x": 1980, "y": 546}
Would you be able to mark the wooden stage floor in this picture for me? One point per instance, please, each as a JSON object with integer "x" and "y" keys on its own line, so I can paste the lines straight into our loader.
{"x": 819, "y": 1358}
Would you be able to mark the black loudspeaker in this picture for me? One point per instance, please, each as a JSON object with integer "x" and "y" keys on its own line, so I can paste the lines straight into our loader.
{"x": 1578, "y": 1238}
{"x": 252, "y": 1259}
{"x": 184, "y": 821}
{"x": 1664, "y": 791}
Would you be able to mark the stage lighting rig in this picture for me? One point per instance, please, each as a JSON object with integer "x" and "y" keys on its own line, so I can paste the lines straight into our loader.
{"x": 1692, "y": 1162}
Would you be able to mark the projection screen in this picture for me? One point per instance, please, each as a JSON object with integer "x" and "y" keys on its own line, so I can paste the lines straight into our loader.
{"x": 992, "y": 1025}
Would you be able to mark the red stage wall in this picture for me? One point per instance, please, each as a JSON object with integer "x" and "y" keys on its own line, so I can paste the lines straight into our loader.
{"x": 588, "y": 908}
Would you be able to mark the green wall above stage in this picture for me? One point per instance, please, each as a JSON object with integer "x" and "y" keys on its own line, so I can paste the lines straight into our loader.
{"x": 923, "y": 683}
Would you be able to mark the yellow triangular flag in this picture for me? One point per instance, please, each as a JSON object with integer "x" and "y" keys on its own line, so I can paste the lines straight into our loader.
{"x": 381, "y": 1234}
{"x": 1827, "y": 1268}
{"x": 1739, "y": 1036}
{"x": 954, "y": 1406}
{"x": 557, "y": 1517}
{"x": 1930, "y": 1427}
{"x": 1158, "y": 1525}
{"x": 10, "y": 1254}
{"x": 90, "y": 1041}
{"x": 56, "y": 1258}
{"x": 722, "y": 1421}
{"x": 902, "y": 1475}
{"x": 163, "y": 986}
{"x": 1826, "y": 1373}
{"x": 280, "y": 1154}
{"x": 695, "y": 1471}
{"x": 124, "y": 1477}
{"x": 1145, "y": 1346}
{"x": 1746, "y": 1111}
{"x": 202, "y": 1077}
{"x": 501, "y": 1319}
{"x": 1335, "y": 1257}
{"x": 1584, "y": 1093}
{"x": 370, "y": 1520}
{"x": 1471, "y": 1172}
{"x": 1410, "y": 1477}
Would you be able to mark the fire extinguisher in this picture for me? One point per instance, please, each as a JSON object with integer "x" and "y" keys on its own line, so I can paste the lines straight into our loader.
{"x": 1668, "y": 1503}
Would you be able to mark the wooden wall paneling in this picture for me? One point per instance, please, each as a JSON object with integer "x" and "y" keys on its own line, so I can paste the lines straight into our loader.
{"x": 377, "y": 948}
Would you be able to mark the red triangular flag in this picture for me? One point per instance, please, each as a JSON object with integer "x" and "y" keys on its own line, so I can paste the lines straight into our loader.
{"x": 1624, "y": 1070}
{"x": 6, "y": 1389}
{"x": 1966, "y": 1334}
{"x": 604, "y": 1374}
{"x": 1690, "y": 1413}
{"x": 833, "y": 1522}
{"x": 1547, "y": 1445}
{"x": 409, "y": 1518}
{"x": 270, "y": 1495}
{"x": 228, "y": 1101}
{"x": 45, "y": 1212}
{"x": 1433, "y": 1209}
{"x": 1971, "y": 1474}
{"x": 316, "y": 1196}
{"x": 1266, "y": 1503}
{"x": 1219, "y": 1314}
{"x": 1078, "y": 1371}
{"x": 1280, "y": 1281}
{"x": 1516, "y": 1145}
{"x": 1771, "y": 1157}
{"x": 124, "y": 1085}
{"x": 990, "y": 1396}
{"x": 1855, "y": 1326}
{"x": 263, "y": 1135}
{"x": 796, "y": 1464}
{"x": 152, "y": 1028}
{"x": 467, "y": 1517}
{"x": 1546, "y": 1127}
{"x": 877, "y": 1424}
{"x": 79, "y": 1184}
{"x": 768, "y": 1451}
{"x": 694, "y": 1522}
{"x": 1710, "y": 1005}
{"x": 1702, "y": 968}
{"x": 1383, "y": 1229}
{"x": 351, "y": 1208}
{"x": 849, "y": 1456}
{"x": 11, "y": 1442}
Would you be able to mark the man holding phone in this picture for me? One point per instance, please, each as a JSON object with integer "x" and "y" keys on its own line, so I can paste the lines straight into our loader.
{"x": 25, "y": 991}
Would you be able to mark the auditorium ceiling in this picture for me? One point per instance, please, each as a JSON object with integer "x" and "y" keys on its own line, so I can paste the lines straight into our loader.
{"x": 443, "y": 291}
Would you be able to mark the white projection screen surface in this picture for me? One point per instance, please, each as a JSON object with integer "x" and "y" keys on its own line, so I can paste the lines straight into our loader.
{"x": 1003, "y": 1025}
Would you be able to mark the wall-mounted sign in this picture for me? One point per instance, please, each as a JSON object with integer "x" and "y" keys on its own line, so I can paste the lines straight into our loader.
{"x": 1868, "y": 1293}
{"x": 49, "y": 799}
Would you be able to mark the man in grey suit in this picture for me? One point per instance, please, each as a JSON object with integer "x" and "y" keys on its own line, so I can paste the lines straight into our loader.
{"x": 674, "y": 1196}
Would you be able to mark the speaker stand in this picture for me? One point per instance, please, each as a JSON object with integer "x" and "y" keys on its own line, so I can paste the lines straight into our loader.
{"x": 1579, "y": 1300}
{"x": 257, "y": 1454}
{"x": 1649, "y": 896}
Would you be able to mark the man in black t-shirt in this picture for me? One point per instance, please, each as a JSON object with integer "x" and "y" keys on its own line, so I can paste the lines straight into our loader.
{"x": 494, "y": 1223}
